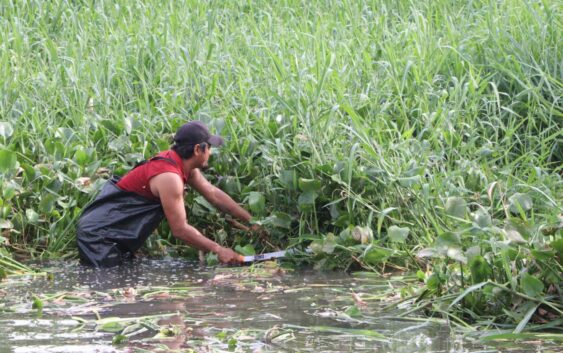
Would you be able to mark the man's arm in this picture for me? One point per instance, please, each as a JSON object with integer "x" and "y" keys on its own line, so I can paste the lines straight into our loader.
{"x": 169, "y": 188}
{"x": 217, "y": 197}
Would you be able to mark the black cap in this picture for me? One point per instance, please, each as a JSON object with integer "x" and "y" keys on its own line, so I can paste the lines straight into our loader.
{"x": 196, "y": 132}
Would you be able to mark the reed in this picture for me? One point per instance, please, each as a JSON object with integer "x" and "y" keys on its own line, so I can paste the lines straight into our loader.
{"x": 357, "y": 122}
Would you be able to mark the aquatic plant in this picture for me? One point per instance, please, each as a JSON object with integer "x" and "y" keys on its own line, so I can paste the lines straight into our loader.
{"x": 381, "y": 134}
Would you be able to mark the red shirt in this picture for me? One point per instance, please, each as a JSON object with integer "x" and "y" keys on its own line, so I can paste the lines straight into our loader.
{"x": 137, "y": 180}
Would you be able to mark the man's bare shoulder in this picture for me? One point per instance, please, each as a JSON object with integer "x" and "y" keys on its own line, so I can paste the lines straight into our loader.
{"x": 195, "y": 173}
{"x": 166, "y": 183}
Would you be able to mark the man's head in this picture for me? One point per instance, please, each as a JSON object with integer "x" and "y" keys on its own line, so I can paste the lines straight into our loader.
{"x": 194, "y": 138}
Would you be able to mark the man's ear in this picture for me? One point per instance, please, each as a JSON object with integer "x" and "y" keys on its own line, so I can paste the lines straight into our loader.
{"x": 197, "y": 149}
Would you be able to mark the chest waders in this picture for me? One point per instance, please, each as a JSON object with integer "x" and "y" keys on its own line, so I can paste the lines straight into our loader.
{"x": 116, "y": 224}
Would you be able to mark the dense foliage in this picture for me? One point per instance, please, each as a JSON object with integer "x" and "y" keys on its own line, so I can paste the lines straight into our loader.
{"x": 383, "y": 134}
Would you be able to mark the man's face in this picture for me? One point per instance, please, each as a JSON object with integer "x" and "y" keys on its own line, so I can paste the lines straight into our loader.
{"x": 204, "y": 155}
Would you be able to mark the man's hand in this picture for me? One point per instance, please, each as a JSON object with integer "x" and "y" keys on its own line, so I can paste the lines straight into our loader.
{"x": 228, "y": 256}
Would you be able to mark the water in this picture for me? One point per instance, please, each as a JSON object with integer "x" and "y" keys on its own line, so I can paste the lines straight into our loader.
{"x": 172, "y": 305}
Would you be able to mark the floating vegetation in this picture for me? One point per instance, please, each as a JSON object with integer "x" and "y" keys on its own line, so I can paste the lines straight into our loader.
{"x": 219, "y": 309}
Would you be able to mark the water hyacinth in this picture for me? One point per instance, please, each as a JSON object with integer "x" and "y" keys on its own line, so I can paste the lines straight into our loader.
{"x": 369, "y": 131}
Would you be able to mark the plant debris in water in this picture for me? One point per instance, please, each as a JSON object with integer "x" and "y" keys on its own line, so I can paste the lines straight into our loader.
{"x": 219, "y": 309}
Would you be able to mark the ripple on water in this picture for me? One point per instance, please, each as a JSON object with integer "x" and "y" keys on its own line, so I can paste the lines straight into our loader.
{"x": 179, "y": 305}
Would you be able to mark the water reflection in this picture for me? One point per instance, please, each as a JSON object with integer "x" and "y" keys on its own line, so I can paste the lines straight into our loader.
{"x": 172, "y": 305}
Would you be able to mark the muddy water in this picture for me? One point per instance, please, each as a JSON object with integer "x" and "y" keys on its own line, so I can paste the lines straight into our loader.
{"x": 171, "y": 305}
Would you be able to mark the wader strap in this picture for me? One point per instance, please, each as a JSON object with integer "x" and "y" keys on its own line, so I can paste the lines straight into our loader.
{"x": 157, "y": 158}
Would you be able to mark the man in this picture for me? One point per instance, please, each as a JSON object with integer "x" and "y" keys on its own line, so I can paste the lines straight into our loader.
{"x": 127, "y": 210}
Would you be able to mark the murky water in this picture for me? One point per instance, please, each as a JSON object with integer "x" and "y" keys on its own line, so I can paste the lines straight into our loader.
{"x": 179, "y": 306}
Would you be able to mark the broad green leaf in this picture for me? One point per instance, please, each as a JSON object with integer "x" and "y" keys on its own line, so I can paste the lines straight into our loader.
{"x": 221, "y": 236}
{"x": 289, "y": 179}
{"x": 517, "y": 200}
{"x": 119, "y": 339}
{"x": 427, "y": 252}
{"x": 6, "y": 224}
{"x": 81, "y": 157}
{"x": 519, "y": 225}
{"x": 29, "y": 171}
{"x": 201, "y": 201}
{"x": 9, "y": 191}
{"x": 279, "y": 219}
{"x": 456, "y": 254}
{"x": 448, "y": 244}
{"x": 353, "y": 311}
{"x": 309, "y": 184}
{"x": 511, "y": 252}
{"x": 531, "y": 285}
{"x": 480, "y": 269}
{"x": 37, "y": 303}
{"x": 398, "y": 234}
{"x": 113, "y": 327}
{"x": 456, "y": 207}
{"x": 346, "y": 233}
{"x": 246, "y": 250}
{"x": 112, "y": 125}
{"x": 558, "y": 246}
{"x": 434, "y": 282}
{"x": 256, "y": 202}
{"x": 64, "y": 133}
{"x": 484, "y": 152}
{"x": 306, "y": 200}
{"x": 482, "y": 219}
{"x": 382, "y": 216}
{"x": 472, "y": 252}
{"x": 543, "y": 255}
{"x": 231, "y": 185}
{"x": 128, "y": 124}
{"x": 420, "y": 275}
{"x": 211, "y": 259}
{"x": 8, "y": 161}
{"x": 513, "y": 235}
{"x": 6, "y": 129}
{"x": 375, "y": 255}
{"x": 409, "y": 181}
{"x": 467, "y": 291}
{"x": 31, "y": 216}
{"x": 119, "y": 144}
{"x": 447, "y": 239}
{"x": 232, "y": 344}
{"x": 316, "y": 246}
{"x": 329, "y": 243}
{"x": 162, "y": 144}
{"x": 47, "y": 203}
{"x": 343, "y": 220}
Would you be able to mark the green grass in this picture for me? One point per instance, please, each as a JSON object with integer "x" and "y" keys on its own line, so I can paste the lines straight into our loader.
{"x": 428, "y": 116}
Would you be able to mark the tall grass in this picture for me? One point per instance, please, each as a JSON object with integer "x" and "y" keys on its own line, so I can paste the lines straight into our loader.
{"x": 352, "y": 120}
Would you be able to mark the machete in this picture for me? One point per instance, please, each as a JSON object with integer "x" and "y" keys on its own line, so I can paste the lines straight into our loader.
{"x": 269, "y": 255}
{"x": 266, "y": 256}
